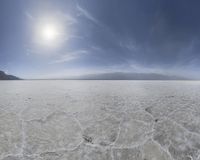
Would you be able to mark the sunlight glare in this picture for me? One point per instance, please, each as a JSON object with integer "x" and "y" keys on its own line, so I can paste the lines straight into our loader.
{"x": 49, "y": 32}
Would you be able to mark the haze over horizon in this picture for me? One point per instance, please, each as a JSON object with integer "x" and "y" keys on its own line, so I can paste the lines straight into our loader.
{"x": 62, "y": 38}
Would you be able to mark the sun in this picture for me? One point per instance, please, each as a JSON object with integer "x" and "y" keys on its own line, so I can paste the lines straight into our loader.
{"x": 49, "y": 32}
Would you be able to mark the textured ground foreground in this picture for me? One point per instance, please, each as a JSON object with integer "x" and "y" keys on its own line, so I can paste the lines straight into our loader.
{"x": 99, "y": 120}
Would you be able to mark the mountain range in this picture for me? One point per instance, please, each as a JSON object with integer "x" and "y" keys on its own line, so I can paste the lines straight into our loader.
{"x": 110, "y": 76}
{"x": 128, "y": 76}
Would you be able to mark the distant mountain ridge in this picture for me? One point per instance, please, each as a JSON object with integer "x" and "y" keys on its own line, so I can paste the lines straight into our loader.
{"x": 110, "y": 76}
{"x": 129, "y": 76}
{"x": 4, "y": 76}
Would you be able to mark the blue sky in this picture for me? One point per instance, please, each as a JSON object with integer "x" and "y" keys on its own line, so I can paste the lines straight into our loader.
{"x": 95, "y": 36}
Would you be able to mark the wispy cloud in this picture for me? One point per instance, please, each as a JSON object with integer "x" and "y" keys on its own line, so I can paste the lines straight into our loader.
{"x": 88, "y": 15}
{"x": 28, "y": 15}
{"x": 69, "y": 56}
{"x": 64, "y": 58}
{"x": 68, "y": 18}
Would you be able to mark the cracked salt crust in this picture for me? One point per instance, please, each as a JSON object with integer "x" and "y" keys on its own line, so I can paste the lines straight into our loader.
{"x": 101, "y": 120}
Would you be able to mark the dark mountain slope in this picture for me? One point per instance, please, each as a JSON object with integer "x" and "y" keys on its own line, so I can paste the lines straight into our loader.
{"x": 4, "y": 76}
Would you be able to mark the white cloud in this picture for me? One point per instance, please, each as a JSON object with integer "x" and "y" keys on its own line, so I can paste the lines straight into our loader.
{"x": 129, "y": 44}
{"x": 69, "y": 19}
{"x": 29, "y": 15}
{"x": 88, "y": 15}
{"x": 69, "y": 56}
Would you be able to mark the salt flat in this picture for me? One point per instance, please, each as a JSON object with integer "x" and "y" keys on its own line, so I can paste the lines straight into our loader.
{"x": 99, "y": 120}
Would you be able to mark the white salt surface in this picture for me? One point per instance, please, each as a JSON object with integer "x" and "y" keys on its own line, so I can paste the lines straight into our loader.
{"x": 99, "y": 120}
